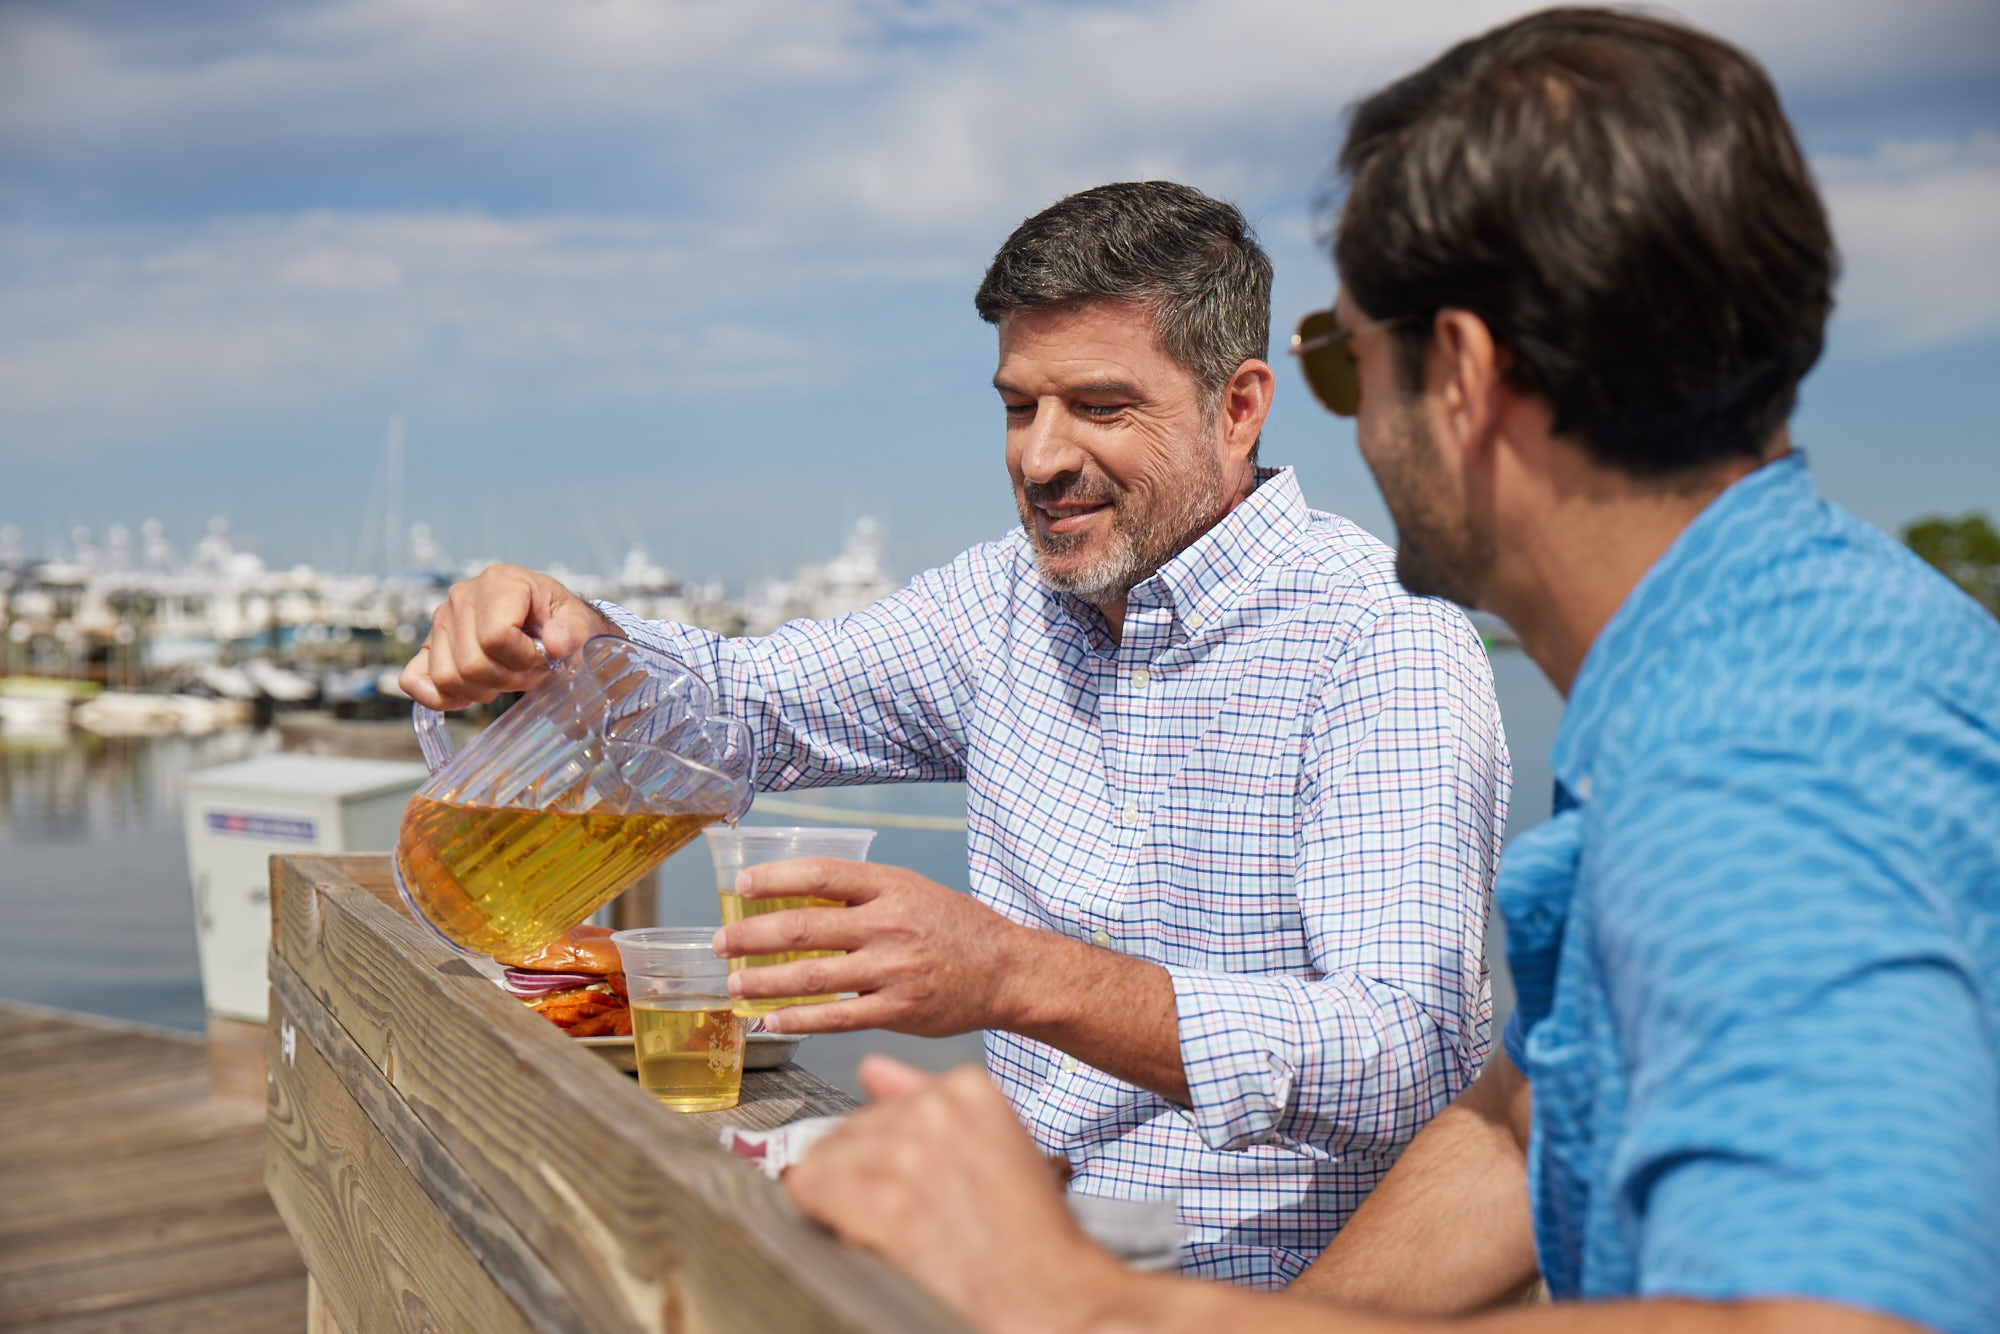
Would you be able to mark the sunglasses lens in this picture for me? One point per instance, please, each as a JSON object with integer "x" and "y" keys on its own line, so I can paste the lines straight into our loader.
{"x": 1338, "y": 382}
{"x": 1329, "y": 368}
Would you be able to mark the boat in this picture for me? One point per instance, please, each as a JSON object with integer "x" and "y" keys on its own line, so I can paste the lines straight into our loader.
{"x": 40, "y": 705}
{"x": 118, "y": 713}
{"x": 31, "y": 715}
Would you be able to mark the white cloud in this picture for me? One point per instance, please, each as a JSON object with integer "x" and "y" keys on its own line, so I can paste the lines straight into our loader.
{"x": 112, "y": 339}
{"x": 770, "y": 153}
{"x": 1919, "y": 230}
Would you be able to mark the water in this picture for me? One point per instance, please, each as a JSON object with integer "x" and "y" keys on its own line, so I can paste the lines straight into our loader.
{"x": 96, "y": 913}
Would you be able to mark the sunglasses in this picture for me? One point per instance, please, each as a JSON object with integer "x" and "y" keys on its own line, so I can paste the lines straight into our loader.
{"x": 1326, "y": 355}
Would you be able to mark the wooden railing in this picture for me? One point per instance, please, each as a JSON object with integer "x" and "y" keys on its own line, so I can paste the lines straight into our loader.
{"x": 449, "y": 1161}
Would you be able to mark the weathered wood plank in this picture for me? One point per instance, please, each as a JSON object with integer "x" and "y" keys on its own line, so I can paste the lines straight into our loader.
{"x": 100, "y": 1125}
{"x": 364, "y": 870}
{"x": 138, "y": 1182}
{"x": 128, "y": 1200}
{"x": 380, "y": 1251}
{"x": 237, "y": 1208}
{"x": 641, "y": 1217}
{"x": 53, "y": 1072}
{"x": 319, "y": 1319}
{"x": 270, "y": 1306}
{"x": 773, "y": 1097}
{"x": 513, "y": 1265}
{"x": 89, "y": 1280}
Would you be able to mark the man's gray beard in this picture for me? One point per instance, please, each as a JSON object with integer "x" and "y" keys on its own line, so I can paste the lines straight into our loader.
{"x": 1140, "y": 544}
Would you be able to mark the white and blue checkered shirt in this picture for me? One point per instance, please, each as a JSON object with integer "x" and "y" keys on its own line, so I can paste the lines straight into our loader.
{"x": 1287, "y": 785}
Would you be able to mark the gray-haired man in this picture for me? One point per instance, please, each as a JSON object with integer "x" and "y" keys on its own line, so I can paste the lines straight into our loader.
{"x": 1234, "y": 798}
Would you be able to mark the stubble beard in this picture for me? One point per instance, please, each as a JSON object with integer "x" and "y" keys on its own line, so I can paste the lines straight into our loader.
{"x": 1438, "y": 554}
{"x": 1142, "y": 538}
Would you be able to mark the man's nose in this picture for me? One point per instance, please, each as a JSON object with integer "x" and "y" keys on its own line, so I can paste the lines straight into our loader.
{"x": 1050, "y": 449}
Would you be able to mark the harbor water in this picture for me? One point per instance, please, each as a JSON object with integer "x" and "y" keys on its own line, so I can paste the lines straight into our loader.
{"x": 96, "y": 914}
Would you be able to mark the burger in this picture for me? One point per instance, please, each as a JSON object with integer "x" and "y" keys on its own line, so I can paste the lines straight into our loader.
{"x": 576, "y": 982}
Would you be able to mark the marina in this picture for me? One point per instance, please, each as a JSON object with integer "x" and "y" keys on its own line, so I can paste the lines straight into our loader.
{"x": 129, "y": 640}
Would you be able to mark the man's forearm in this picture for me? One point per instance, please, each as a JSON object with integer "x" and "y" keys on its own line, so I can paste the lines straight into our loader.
{"x": 1448, "y": 1230}
{"x": 1134, "y": 1303}
{"x": 1109, "y": 1010}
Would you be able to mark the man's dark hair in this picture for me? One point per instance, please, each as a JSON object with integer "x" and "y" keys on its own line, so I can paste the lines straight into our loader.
{"x": 1192, "y": 260}
{"x": 1621, "y": 200}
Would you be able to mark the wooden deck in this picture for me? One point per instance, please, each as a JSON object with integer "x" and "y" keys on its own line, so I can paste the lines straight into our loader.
{"x": 131, "y": 1199}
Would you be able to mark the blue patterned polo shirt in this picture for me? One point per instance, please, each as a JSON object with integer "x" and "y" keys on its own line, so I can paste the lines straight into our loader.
{"x": 1758, "y": 946}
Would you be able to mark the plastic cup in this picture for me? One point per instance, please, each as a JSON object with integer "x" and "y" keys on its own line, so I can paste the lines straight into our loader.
{"x": 734, "y": 849}
{"x": 688, "y": 1042}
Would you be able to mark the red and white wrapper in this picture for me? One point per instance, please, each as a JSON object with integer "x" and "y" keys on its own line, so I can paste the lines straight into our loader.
{"x": 775, "y": 1150}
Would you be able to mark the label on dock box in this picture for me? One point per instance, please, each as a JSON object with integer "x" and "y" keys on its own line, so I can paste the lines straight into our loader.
{"x": 241, "y": 824}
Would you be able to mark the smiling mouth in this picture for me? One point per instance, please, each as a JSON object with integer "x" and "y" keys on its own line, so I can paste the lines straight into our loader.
{"x": 1069, "y": 518}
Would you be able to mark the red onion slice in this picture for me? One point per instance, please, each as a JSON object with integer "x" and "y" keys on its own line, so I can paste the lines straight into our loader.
{"x": 527, "y": 985}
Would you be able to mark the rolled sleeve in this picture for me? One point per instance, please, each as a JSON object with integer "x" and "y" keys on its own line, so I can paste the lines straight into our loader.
{"x": 1406, "y": 784}
{"x": 1323, "y": 1068}
{"x": 1813, "y": 1086}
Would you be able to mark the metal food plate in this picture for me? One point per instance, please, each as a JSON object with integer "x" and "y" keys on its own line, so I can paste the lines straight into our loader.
{"x": 761, "y": 1051}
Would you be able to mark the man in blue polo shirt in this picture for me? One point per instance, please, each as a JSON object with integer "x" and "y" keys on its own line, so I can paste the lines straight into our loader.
{"x": 1753, "y": 1080}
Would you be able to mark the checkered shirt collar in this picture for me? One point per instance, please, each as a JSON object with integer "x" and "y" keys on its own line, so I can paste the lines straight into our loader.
{"x": 1221, "y": 565}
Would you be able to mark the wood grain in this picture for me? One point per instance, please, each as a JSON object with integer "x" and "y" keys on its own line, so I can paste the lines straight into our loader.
{"x": 642, "y": 1221}
{"x": 129, "y": 1199}
{"x": 379, "y": 1250}
{"x": 319, "y": 1319}
{"x": 499, "y": 1248}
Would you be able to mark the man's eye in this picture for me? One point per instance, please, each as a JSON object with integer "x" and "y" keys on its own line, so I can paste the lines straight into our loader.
{"x": 1100, "y": 409}
{"x": 1019, "y": 411}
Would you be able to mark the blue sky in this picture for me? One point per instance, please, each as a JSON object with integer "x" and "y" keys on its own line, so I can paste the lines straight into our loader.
{"x": 700, "y": 276}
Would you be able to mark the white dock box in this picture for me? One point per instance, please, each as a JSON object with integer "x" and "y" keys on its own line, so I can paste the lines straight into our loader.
{"x": 237, "y": 815}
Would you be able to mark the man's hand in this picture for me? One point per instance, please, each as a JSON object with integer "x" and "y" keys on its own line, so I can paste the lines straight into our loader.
{"x": 482, "y": 640}
{"x": 926, "y": 959}
{"x": 938, "y": 1177}
{"x": 930, "y": 961}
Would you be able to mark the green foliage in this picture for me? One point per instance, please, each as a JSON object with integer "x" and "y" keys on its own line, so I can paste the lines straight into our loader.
{"x": 1966, "y": 550}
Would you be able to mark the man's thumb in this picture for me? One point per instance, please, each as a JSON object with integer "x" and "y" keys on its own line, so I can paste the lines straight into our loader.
{"x": 564, "y": 621}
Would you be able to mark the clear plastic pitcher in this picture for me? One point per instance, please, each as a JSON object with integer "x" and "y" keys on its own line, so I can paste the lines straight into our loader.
{"x": 596, "y": 776}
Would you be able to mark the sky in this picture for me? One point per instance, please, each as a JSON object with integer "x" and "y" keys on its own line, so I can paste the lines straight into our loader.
{"x": 699, "y": 276}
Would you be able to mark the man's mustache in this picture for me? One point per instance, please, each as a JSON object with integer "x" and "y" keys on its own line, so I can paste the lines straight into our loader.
{"x": 1072, "y": 490}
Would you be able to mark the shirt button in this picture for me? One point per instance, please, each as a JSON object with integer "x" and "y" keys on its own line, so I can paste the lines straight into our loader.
{"x": 1141, "y": 679}
{"x": 1130, "y": 815}
{"x": 1069, "y": 1064}
{"x": 1101, "y": 939}
{"x": 1192, "y": 622}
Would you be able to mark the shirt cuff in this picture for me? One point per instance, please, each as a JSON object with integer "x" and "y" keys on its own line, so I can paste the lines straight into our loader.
{"x": 1240, "y": 1039}
{"x": 636, "y": 628}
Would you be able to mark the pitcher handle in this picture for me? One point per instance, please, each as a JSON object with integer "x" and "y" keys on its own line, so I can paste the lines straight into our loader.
{"x": 432, "y": 738}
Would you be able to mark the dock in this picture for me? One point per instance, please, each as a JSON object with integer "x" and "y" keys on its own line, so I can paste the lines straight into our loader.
{"x": 132, "y": 1197}
{"x": 414, "y": 1151}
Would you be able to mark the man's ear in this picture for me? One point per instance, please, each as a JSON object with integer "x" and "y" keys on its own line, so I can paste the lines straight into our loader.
{"x": 1246, "y": 402}
{"x": 1465, "y": 373}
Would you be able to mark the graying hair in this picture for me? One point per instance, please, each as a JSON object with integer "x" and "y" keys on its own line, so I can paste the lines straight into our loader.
{"x": 1191, "y": 260}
